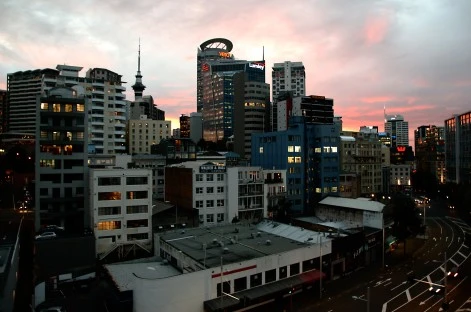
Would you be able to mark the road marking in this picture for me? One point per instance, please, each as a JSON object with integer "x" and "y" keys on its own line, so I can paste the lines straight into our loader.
{"x": 385, "y": 306}
{"x": 427, "y": 262}
{"x": 408, "y": 295}
{"x": 398, "y": 285}
{"x": 459, "y": 252}
{"x": 454, "y": 262}
{"x": 442, "y": 268}
{"x": 429, "y": 279}
{"x": 388, "y": 283}
{"x": 410, "y": 272}
{"x": 464, "y": 246}
{"x": 423, "y": 302}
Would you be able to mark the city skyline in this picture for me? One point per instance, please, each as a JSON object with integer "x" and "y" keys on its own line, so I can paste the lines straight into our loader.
{"x": 408, "y": 57}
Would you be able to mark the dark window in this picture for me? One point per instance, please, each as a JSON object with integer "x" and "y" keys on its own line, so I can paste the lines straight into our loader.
{"x": 43, "y": 191}
{"x": 136, "y": 180}
{"x": 294, "y": 269}
{"x": 68, "y": 192}
{"x": 255, "y": 280}
{"x": 56, "y": 192}
{"x": 226, "y": 286}
{"x": 283, "y": 272}
{"x": 109, "y": 181}
{"x": 270, "y": 276}
{"x": 240, "y": 284}
{"x": 309, "y": 265}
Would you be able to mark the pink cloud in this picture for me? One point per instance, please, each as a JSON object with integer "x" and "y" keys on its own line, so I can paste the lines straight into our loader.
{"x": 375, "y": 29}
{"x": 377, "y": 99}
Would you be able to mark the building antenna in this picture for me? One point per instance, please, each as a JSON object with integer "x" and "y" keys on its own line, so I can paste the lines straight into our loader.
{"x": 384, "y": 108}
{"x": 263, "y": 53}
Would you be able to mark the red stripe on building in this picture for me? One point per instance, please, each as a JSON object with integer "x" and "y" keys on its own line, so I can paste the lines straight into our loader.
{"x": 234, "y": 271}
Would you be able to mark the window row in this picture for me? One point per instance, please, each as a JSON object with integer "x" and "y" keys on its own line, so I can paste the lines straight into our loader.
{"x": 209, "y": 177}
{"x": 209, "y": 190}
{"x": 108, "y": 211}
{"x": 209, "y": 203}
{"x": 103, "y": 181}
{"x": 117, "y": 195}
{"x": 56, "y": 107}
{"x": 255, "y": 280}
{"x": 210, "y": 217}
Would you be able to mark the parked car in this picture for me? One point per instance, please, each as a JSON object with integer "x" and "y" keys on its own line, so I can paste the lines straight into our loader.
{"x": 46, "y": 235}
{"x": 53, "y": 227}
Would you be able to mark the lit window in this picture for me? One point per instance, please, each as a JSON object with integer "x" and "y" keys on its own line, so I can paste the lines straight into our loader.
{"x": 334, "y": 149}
{"x": 297, "y": 149}
{"x": 290, "y": 160}
{"x": 80, "y": 107}
{"x": 56, "y": 108}
{"x": 290, "y": 149}
{"x": 44, "y": 106}
{"x": 326, "y": 149}
{"x": 317, "y": 150}
{"x": 260, "y": 150}
{"x": 318, "y": 190}
{"x": 297, "y": 160}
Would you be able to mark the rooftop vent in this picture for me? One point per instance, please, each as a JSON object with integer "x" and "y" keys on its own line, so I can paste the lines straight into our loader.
{"x": 259, "y": 234}
{"x": 268, "y": 242}
{"x": 225, "y": 250}
{"x": 215, "y": 241}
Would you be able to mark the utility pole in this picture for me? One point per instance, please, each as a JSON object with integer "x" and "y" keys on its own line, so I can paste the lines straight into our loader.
{"x": 320, "y": 266}
{"x": 445, "y": 301}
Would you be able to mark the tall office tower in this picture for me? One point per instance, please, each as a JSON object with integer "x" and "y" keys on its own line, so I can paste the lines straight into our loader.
{"x": 23, "y": 87}
{"x": 458, "y": 148}
{"x": 430, "y": 151}
{"x": 223, "y": 87}
{"x": 398, "y": 130}
{"x": 286, "y": 77}
{"x": 196, "y": 127}
{"x": 251, "y": 117}
{"x": 61, "y": 159}
{"x": 184, "y": 126}
{"x": 316, "y": 109}
{"x": 3, "y": 110}
{"x": 210, "y": 50}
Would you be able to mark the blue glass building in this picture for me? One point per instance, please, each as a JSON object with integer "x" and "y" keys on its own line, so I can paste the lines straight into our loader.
{"x": 309, "y": 154}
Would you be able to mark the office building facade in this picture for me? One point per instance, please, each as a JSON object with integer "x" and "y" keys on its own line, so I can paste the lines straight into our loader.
{"x": 210, "y": 50}
{"x": 61, "y": 160}
{"x": 144, "y": 133}
{"x": 430, "y": 151}
{"x": 287, "y": 78}
{"x": 398, "y": 130}
{"x": 309, "y": 154}
{"x": 107, "y": 105}
{"x": 458, "y": 148}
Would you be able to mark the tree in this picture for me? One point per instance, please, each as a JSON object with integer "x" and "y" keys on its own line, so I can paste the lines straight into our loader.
{"x": 282, "y": 211}
{"x": 406, "y": 220}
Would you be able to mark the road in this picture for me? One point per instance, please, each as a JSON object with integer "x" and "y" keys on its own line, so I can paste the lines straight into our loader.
{"x": 447, "y": 236}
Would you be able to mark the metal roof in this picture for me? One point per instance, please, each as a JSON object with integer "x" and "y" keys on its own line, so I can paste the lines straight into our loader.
{"x": 357, "y": 203}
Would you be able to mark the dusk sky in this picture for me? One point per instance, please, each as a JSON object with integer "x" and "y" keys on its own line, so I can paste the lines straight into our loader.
{"x": 413, "y": 57}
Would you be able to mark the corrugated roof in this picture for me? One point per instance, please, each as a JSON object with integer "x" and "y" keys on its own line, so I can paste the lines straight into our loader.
{"x": 347, "y": 138}
{"x": 358, "y": 203}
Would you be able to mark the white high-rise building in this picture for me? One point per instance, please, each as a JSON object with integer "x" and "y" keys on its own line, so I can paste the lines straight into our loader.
{"x": 397, "y": 129}
{"x": 286, "y": 77}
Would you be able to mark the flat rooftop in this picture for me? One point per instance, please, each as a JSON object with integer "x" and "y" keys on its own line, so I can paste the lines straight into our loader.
{"x": 239, "y": 242}
{"x": 124, "y": 275}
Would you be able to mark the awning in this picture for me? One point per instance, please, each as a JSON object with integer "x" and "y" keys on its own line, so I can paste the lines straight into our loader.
{"x": 269, "y": 290}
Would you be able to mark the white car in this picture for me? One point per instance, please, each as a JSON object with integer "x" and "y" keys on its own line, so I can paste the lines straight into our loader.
{"x": 46, "y": 235}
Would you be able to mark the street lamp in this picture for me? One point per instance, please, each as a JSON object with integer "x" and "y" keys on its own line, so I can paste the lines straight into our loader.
{"x": 367, "y": 300}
